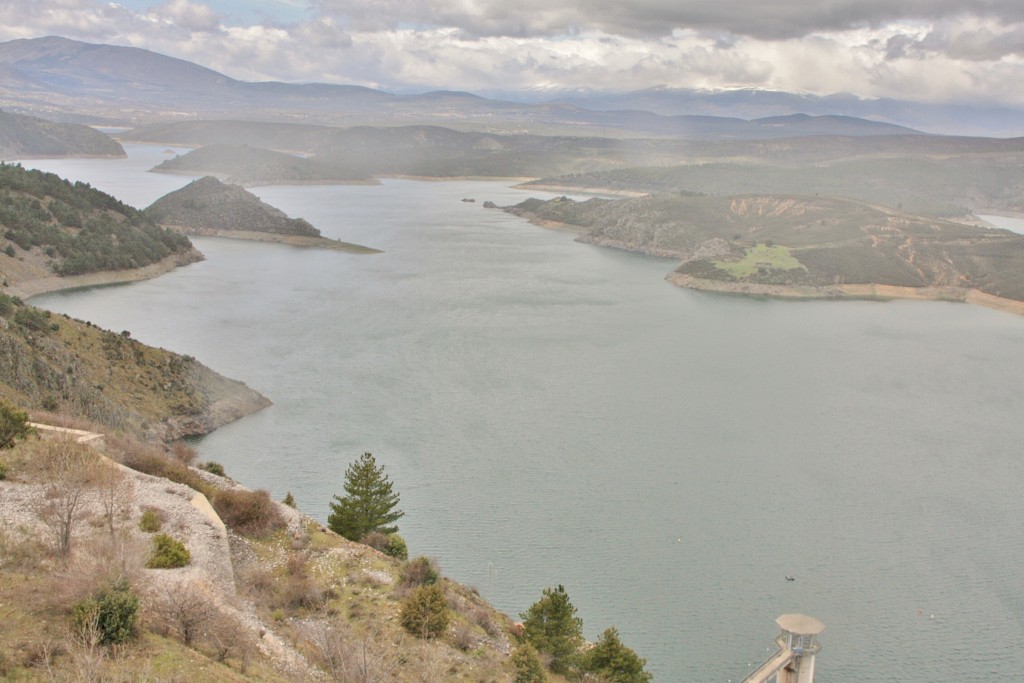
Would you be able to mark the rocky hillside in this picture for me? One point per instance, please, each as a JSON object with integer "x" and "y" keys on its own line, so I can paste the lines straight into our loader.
{"x": 53, "y": 363}
{"x": 209, "y": 204}
{"x": 29, "y": 136}
{"x": 271, "y": 596}
{"x": 795, "y": 240}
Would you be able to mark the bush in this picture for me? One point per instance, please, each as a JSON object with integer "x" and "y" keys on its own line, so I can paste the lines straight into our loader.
{"x": 113, "y": 613}
{"x": 151, "y": 521}
{"x": 389, "y": 544}
{"x": 168, "y": 553}
{"x": 420, "y": 572}
{"x": 250, "y": 513}
{"x": 527, "y": 665}
{"x": 425, "y": 613}
{"x": 615, "y": 662}
{"x": 213, "y": 468}
{"x": 3, "y": 471}
{"x": 396, "y": 547}
{"x": 14, "y": 425}
{"x": 289, "y": 500}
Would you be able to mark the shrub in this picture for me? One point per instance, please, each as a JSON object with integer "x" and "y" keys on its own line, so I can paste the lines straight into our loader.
{"x": 420, "y": 572}
{"x": 151, "y": 521}
{"x": 389, "y": 544}
{"x": 250, "y": 513}
{"x": 3, "y": 471}
{"x": 425, "y": 613}
{"x": 168, "y": 553}
{"x": 213, "y": 468}
{"x": 183, "y": 453}
{"x": 13, "y": 425}
{"x": 289, "y": 500}
{"x": 615, "y": 662}
{"x": 527, "y": 665}
{"x": 396, "y": 547}
{"x": 113, "y": 613}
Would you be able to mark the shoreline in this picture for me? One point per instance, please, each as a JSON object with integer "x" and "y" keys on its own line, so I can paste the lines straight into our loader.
{"x": 869, "y": 292}
{"x": 306, "y": 241}
{"x": 582, "y": 190}
{"x": 55, "y": 283}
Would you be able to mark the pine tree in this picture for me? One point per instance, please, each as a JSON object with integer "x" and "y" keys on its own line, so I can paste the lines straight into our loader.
{"x": 613, "y": 661}
{"x": 551, "y": 626}
{"x": 368, "y": 504}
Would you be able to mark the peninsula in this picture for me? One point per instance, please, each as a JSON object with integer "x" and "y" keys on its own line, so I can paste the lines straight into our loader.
{"x": 802, "y": 247}
{"x": 209, "y": 207}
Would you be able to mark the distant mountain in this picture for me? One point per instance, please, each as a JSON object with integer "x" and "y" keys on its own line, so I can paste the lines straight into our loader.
{"x": 29, "y": 136}
{"x": 944, "y": 119}
{"x": 82, "y": 81}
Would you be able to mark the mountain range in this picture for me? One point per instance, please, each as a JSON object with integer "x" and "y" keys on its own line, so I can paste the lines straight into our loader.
{"x": 68, "y": 80}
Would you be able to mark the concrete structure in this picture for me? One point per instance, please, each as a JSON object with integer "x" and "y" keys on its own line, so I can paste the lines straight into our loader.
{"x": 97, "y": 441}
{"x": 794, "y": 661}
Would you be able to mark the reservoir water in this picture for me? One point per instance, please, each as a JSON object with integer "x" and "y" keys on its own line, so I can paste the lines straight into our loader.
{"x": 555, "y": 413}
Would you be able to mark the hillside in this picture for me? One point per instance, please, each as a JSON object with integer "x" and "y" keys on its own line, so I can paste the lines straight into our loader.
{"x": 938, "y": 180}
{"x": 52, "y": 229}
{"x": 264, "y": 594}
{"x": 245, "y": 165}
{"x": 361, "y": 152}
{"x": 58, "y": 364}
{"x": 764, "y": 244}
{"x": 210, "y": 207}
{"x": 28, "y": 136}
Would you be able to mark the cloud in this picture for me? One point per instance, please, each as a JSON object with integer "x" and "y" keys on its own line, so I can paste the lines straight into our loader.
{"x": 776, "y": 20}
{"x": 484, "y": 45}
{"x": 188, "y": 15}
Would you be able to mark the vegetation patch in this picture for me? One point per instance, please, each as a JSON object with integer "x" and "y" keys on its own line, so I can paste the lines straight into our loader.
{"x": 761, "y": 258}
{"x": 168, "y": 553}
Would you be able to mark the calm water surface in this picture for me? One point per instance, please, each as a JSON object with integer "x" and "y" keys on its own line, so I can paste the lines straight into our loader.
{"x": 555, "y": 413}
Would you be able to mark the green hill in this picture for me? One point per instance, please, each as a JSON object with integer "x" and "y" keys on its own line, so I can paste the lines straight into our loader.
{"x": 25, "y": 136}
{"x": 51, "y": 226}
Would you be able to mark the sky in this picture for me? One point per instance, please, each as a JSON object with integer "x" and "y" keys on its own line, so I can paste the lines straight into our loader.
{"x": 963, "y": 51}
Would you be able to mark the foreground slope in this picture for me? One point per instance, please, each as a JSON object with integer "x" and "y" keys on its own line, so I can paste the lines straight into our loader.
{"x": 790, "y": 245}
